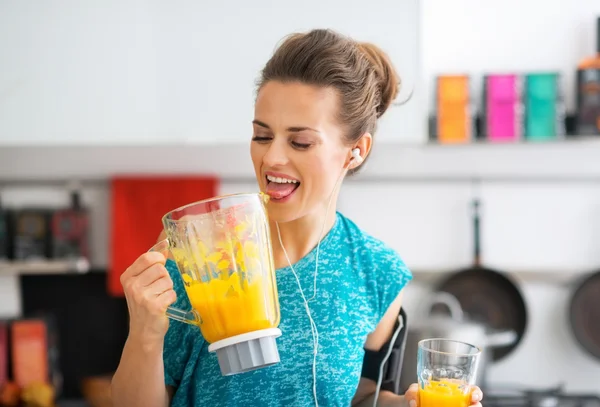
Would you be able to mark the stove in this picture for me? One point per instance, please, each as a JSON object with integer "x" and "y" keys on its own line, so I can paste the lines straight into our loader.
{"x": 538, "y": 398}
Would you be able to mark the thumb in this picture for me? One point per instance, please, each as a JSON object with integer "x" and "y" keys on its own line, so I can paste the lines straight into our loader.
{"x": 411, "y": 395}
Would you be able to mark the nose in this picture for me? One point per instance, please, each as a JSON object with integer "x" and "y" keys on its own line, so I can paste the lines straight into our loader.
{"x": 276, "y": 154}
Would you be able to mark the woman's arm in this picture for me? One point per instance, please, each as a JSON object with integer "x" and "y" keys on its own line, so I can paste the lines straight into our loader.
{"x": 140, "y": 376}
{"x": 139, "y": 379}
{"x": 365, "y": 393}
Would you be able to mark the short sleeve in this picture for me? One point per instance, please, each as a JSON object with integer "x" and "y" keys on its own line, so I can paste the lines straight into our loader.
{"x": 392, "y": 275}
{"x": 178, "y": 341}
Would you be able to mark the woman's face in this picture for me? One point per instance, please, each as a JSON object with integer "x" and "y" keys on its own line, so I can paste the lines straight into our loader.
{"x": 297, "y": 148}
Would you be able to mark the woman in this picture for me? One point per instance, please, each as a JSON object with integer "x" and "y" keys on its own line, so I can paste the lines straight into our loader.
{"x": 319, "y": 98}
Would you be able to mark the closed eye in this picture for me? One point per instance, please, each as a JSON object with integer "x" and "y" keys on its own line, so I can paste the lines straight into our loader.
{"x": 301, "y": 146}
{"x": 260, "y": 139}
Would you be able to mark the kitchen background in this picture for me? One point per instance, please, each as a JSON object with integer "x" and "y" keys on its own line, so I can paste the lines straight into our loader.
{"x": 94, "y": 90}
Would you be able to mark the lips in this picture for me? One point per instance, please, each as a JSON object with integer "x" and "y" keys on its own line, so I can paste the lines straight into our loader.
{"x": 280, "y": 186}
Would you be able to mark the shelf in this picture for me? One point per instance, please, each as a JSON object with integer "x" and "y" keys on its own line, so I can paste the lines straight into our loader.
{"x": 569, "y": 159}
{"x": 33, "y": 267}
{"x": 565, "y": 278}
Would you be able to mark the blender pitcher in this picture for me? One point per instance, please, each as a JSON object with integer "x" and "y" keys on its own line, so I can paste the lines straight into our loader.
{"x": 222, "y": 247}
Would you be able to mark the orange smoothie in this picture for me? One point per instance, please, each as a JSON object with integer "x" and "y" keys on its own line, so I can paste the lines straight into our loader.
{"x": 228, "y": 283}
{"x": 231, "y": 307}
{"x": 444, "y": 393}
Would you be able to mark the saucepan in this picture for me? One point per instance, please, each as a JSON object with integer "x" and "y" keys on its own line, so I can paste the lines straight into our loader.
{"x": 428, "y": 324}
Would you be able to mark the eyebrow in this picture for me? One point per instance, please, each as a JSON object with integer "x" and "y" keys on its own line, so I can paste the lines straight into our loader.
{"x": 294, "y": 129}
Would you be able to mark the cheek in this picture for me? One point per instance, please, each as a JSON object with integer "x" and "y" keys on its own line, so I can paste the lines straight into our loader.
{"x": 322, "y": 174}
{"x": 256, "y": 154}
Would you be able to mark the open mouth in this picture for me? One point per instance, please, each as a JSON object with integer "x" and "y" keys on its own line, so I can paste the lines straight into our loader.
{"x": 280, "y": 188}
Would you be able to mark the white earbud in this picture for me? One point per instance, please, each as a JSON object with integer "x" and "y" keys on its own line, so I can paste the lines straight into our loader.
{"x": 356, "y": 156}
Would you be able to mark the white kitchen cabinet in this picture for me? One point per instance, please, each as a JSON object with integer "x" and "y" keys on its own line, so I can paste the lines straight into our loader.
{"x": 148, "y": 72}
{"x": 77, "y": 73}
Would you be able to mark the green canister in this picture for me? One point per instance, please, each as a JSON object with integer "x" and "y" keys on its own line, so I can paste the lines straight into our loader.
{"x": 544, "y": 107}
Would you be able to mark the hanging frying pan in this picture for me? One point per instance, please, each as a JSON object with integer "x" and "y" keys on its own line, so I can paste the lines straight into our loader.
{"x": 488, "y": 296}
{"x": 584, "y": 312}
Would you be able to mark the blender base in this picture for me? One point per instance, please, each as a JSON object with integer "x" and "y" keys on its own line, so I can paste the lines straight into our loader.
{"x": 247, "y": 352}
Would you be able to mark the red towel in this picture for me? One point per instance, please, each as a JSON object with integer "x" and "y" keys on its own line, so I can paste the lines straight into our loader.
{"x": 137, "y": 207}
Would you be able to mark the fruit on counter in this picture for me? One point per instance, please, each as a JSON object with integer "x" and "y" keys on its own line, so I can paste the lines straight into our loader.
{"x": 38, "y": 395}
{"x": 10, "y": 395}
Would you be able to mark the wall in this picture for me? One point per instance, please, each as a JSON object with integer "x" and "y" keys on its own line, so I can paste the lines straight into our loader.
{"x": 542, "y": 230}
{"x": 468, "y": 36}
{"x": 147, "y": 72}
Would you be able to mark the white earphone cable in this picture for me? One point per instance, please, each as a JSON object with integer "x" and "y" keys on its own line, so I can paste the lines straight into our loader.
{"x": 313, "y": 326}
{"x": 322, "y": 230}
{"x": 385, "y": 359}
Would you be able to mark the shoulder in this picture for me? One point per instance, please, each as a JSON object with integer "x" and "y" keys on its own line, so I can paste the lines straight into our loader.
{"x": 371, "y": 250}
{"x": 381, "y": 265}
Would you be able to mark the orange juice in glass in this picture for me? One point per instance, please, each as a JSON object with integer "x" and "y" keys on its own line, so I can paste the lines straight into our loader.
{"x": 446, "y": 371}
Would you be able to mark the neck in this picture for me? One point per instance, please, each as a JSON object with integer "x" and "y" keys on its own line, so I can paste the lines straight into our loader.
{"x": 300, "y": 236}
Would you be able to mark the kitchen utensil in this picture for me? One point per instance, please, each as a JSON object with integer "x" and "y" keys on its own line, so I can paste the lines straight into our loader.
{"x": 30, "y": 359}
{"x": 488, "y": 296}
{"x": 70, "y": 230}
{"x": 429, "y": 324}
{"x": 544, "y": 106}
{"x": 584, "y": 313}
{"x": 222, "y": 247}
{"x": 31, "y": 233}
{"x": 588, "y": 91}
{"x": 503, "y": 107}
{"x": 446, "y": 370}
{"x": 455, "y": 120}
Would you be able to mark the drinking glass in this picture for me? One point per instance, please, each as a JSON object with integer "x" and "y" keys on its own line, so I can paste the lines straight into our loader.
{"x": 446, "y": 371}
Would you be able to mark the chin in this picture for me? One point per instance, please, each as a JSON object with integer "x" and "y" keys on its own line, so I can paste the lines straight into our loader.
{"x": 283, "y": 212}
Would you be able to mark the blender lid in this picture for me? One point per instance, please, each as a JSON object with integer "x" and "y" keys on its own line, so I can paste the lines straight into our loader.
{"x": 246, "y": 352}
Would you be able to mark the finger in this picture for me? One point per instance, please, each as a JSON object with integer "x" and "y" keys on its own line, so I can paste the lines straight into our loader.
{"x": 476, "y": 395}
{"x": 413, "y": 388}
{"x": 158, "y": 287}
{"x": 145, "y": 261}
{"x": 167, "y": 298}
{"x": 411, "y": 392}
{"x": 151, "y": 274}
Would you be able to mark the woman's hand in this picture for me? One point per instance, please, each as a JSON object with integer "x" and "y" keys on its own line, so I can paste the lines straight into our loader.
{"x": 412, "y": 398}
{"x": 149, "y": 291}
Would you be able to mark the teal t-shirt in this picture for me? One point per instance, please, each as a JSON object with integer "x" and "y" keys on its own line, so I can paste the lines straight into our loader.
{"x": 358, "y": 278}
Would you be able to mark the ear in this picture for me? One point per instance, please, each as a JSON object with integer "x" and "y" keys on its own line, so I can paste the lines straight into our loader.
{"x": 364, "y": 145}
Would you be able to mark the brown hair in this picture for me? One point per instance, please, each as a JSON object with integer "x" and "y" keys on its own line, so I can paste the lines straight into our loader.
{"x": 361, "y": 73}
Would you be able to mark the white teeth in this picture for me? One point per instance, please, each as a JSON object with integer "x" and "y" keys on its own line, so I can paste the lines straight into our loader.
{"x": 280, "y": 180}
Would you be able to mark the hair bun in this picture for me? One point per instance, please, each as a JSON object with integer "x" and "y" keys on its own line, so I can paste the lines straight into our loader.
{"x": 389, "y": 81}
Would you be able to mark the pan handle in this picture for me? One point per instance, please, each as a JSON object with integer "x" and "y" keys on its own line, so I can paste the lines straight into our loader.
{"x": 446, "y": 299}
{"x": 476, "y": 231}
{"x": 501, "y": 338}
